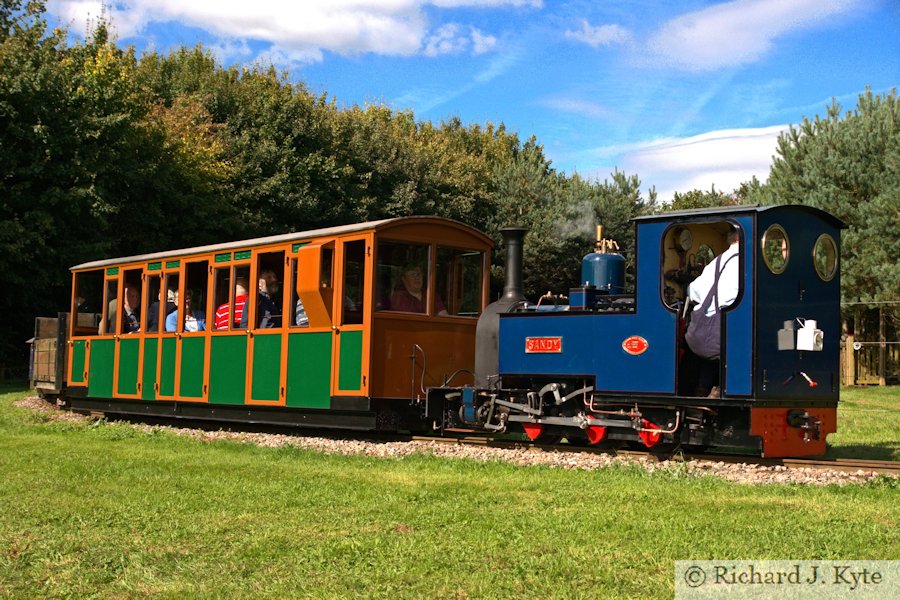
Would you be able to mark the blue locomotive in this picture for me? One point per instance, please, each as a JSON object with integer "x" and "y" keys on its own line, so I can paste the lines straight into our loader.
{"x": 613, "y": 367}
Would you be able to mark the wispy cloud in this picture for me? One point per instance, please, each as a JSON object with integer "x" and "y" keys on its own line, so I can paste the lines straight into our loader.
{"x": 304, "y": 30}
{"x": 737, "y": 33}
{"x": 723, "y": 35}
{"x": 578, "y": 106}
{"x": 600, "y": 35}
{"x": 724, "y": 158}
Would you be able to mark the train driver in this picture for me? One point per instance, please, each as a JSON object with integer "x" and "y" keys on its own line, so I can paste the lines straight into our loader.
{"x": 727, "y": 285}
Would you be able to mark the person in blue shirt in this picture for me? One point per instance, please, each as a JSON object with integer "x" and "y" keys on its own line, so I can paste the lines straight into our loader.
{"x": 194, "y": 320}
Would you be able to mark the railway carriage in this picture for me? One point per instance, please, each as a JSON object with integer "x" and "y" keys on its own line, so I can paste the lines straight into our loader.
{"x": 357, "y": 363}
{"x": 339, "y": 349}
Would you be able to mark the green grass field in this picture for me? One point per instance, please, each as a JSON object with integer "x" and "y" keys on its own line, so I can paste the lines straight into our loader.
{"x": 868, "y": 424}
{"x": 104, "y": 510}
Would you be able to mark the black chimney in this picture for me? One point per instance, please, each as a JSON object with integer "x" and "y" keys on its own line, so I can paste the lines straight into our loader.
{"x": 512, "y": 239}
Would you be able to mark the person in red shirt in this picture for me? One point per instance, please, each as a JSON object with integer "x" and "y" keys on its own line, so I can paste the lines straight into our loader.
{"x": 240, "y": 300}
{"x": 410, "y": 297}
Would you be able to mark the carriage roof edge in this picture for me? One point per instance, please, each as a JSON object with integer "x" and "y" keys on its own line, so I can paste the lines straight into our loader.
{"x": 280, "y": 238}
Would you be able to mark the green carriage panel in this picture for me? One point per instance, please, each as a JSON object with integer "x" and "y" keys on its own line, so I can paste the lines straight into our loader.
{"x": 309, "y": 370}
{"x": 79, "y": 349}
{"x": 148, "y": 381}
{"x": 266, "y": 367}
{"x": 350, "y": 375}
{"x": 101, "y": 368}
{"x": 227, "y": 369}
{"x": 193, "y": 351}
{"x": 129, "y": 353}
{"x": 167, "y": 368}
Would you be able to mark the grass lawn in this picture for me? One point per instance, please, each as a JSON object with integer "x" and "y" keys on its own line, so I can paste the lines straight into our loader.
{"x": 868, "y": 424}
{"x": 101, "y": 509}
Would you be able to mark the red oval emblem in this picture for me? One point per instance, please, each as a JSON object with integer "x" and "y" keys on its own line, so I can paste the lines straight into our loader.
{"x": 635, "y": 345}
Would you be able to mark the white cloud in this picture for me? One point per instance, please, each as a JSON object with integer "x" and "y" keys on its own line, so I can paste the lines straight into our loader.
{"x": 482, "y": 42}
{"x": 724, "y": 158}
{"x": 736, "y": 33}
{"x": 304, "y": 29}
{"x": 452, "y": 39}
{"x": 601, "y": 35}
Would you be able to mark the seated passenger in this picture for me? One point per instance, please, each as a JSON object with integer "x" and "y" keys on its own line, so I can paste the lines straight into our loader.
{"x": 411, "y": 296}
{"x": 300, "y": 318}
{"x": 153, "y": 315}
{"x": 718, "y": 285}
{"x": 240, "y": 300}
{"x": 194, "y": 318}
{"x": 131, "y": 315}
{"x": 269, "y": 310}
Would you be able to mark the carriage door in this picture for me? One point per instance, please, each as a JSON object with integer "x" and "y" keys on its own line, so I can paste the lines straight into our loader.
{"x": 102, "y": 349}
{"x": 128, "y": 342}
{"x": 189, "y": 323}
{"x": 164, "y": 331}
{"x": 267, "y": 329}
{"x": 350, "y": 341}
{"x": 311, "y": 332}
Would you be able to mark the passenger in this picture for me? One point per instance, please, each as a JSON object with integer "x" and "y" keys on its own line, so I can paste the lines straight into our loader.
{"x": 411, "y": 296}
{"x": 194, "y": 318}
{"x": 300, "y": 318}
{"x": 131, "y": 314}
{"x": 240, "y": 300}
{"x": 716, "y": 287}
{"x": 269, "y": 311}
{"x": 171, "y": 305}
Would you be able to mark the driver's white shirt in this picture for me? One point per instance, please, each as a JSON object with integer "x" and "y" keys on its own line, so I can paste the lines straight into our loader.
{"x": 729, "y": 284}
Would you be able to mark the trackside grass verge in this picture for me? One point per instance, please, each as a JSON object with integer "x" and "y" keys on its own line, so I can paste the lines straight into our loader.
{"x": 868, "y": 424}
{"x": 105, "y": 510}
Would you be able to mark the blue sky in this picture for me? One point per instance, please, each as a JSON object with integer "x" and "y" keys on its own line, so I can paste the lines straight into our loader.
{"x": 684, "y": 94}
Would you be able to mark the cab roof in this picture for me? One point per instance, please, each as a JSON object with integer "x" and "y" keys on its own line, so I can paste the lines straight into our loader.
{"x": 732, "y": 210}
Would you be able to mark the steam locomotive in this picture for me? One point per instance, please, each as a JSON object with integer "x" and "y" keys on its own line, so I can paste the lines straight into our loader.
{"x": 325, "y": 340}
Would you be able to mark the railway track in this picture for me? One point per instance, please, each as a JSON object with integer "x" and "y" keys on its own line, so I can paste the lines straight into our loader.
{"x": 847, "y": 465}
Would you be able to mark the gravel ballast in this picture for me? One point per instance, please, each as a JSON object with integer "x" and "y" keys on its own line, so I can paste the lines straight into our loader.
{"x": 745, "y": 473}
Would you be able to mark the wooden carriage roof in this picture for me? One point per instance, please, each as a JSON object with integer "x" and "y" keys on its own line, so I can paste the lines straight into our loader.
{"x": 380, "y": 225}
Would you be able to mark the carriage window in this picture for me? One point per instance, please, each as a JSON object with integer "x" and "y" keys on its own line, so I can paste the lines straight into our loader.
{"x": 190, "y": 315}
{"x": 172, "y": 283}
{"x": 825, "y": 257}
{"x": 458, "y": 281}
{"x": 152, "y": 298}
{"x": 108, "y": 327}
{"x": 88, "y": 302}
{"x": 221, "y": 298}
{"x": 776, "y": 249}
{"x": 402, "y": 277}
{"x": 354, "y": 282}
{"x": 298, "y": 318}
{"x": 269, "y": 299}
{"x": 130, "y": 316}
{"x": 230, "y": 308}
